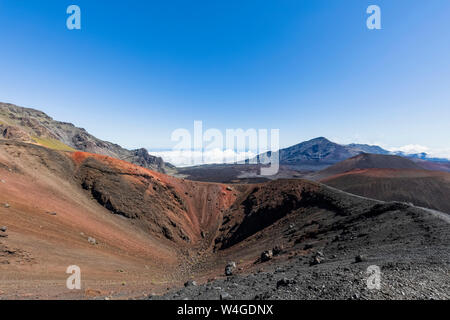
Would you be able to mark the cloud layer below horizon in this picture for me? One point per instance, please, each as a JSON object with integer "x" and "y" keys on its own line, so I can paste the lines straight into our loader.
{"x": 185, "y": 158}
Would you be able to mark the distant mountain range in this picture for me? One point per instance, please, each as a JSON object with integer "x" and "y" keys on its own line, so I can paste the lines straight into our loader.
{"x": 34, "y": 126}
{"x": 319, "y": 153}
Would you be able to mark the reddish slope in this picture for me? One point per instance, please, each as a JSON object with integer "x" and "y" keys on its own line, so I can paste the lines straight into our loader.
{"x": 366, "y": 161}
{"x": 424, "y": 188}
{"x": 158, "y": 222}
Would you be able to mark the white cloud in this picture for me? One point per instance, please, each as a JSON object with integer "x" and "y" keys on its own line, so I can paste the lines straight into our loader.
{"x": 416, "y": 148}
{"x": 184, "y": 158}
{"x": 412, "y": 148}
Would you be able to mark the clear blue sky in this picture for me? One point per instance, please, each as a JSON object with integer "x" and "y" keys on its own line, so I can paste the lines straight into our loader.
{"x": 140, "y": 69}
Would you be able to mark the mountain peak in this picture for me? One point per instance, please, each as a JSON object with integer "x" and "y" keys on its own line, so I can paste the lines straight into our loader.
{"x": 319, "y": 139}
{"x": 34, "y": 126}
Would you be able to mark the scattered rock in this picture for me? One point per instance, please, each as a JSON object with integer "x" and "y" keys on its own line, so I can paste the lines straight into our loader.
{"x": 228, "y": 271}
{"x": 230, "y": 268}
{"x": 307, "y": 246}
{"x": 3, "y": 235}
{"x": 92, "y": 293}
{"x": 280, "y": 270}
{"x": 225, "y": 296}
{"x": 284, "y": 282}
{"x": 229, "y": 189}
{"x": 202, "y": 234}
{"x": 356, "y": 296}
{"x": 317, "y": 259}
{"x": 92, "y": 240}
{"x": 3, "y": 229}
{"x": 51, "y": 213}
{"x": 190, "y": 283}
{"x": 360, "y": 258}
{"x": 262, "y": 296}
{"x": 6, "y": 205}
{"x": 266, "y": 255}
{"x": 278, "y": 250}
{"x": 2, "y": 181}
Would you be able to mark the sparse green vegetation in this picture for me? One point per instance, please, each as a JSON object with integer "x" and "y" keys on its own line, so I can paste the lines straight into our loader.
{"x": 52, "y": 144}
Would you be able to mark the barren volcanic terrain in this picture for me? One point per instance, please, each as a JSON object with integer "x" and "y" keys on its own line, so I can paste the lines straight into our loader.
{"x": 136, "y": 233}
{"x": 389, "y": 178}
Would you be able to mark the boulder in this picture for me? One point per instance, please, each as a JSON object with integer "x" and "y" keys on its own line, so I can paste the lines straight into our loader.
{"x": 266, "y": 255}
{"x": 317, "y": 259}
{"x": 190, "y": 283}
{"x": 278, "y": 250}
{"x": 284, "y": 282}
{"x": 230, "y": 268}
{"x": 225, "y": 296}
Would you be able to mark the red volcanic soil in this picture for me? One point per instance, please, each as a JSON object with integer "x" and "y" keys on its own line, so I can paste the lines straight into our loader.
{"x": 430, "y": 189}
{"x": 366, "y": 161}
{"x": 431, "y": 165}
{"x": 146, "y": 224}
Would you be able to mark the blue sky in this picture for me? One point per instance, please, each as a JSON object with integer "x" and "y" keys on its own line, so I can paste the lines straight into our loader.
{"x": 137, "y": 70}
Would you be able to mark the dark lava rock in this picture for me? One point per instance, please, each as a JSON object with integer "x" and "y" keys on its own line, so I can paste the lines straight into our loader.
{"x": 262, "y": 296}
{"x": 225, "y": 296}
{"x": 317, "y": 258}
{"x": 266, "y": 255}
{"x": 190, "y": 283}
{"x": 284, "y": 282}
{"x": 278, "y": 250}
{"x": 230, "y": 268}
